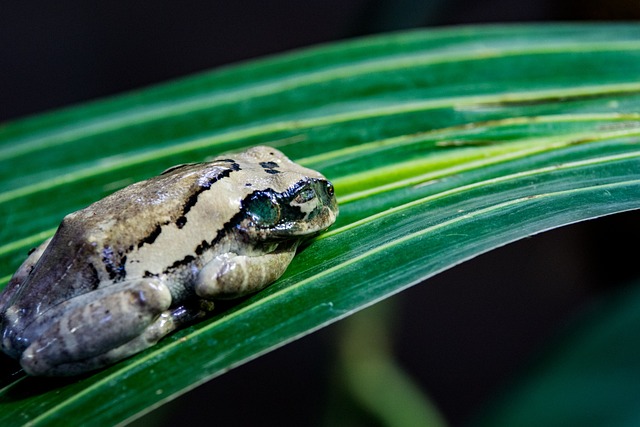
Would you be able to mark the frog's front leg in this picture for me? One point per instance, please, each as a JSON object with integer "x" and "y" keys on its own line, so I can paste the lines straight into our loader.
{"x": 93, "y": 324}
{"x": 231, "y": 275}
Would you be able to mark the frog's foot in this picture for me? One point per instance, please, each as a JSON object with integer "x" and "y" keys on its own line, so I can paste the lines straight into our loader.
{"x": 93, "y": 324}
{"x": 166, "y": 323}
{"x": 231, "y": 276}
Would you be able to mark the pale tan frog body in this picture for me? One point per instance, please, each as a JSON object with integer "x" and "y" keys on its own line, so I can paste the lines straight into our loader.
{"x": 122, "y": 273}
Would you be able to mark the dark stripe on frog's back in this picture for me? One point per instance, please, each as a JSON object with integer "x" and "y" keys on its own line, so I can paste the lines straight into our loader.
{"x": 134, "y": 216}
{"x": 133, "y": 226}
{"x": 193, "y": 198}
{"x": 293, "y": 212}
{"x": 205, "y": 245}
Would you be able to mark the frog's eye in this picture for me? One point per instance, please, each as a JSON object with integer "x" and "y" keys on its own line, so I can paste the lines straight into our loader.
{"x": 304, "y": 196}
{"x": 330, "y": 190}
{"x": 264, "y": 211}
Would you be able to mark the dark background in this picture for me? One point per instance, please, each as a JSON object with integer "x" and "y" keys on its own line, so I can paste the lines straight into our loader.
{"x": 460, "y": 335}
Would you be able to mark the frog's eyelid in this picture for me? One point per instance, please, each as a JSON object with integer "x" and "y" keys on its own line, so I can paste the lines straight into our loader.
{"x": 305, "y": 196}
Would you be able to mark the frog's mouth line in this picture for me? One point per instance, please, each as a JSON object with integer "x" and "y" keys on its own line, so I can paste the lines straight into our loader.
{"x": 324, "y": 219}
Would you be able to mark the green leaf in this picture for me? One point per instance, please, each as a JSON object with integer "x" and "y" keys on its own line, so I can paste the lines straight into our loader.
{"x": 442, "y": 145}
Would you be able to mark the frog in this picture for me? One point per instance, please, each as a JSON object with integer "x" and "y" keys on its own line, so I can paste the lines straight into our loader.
{"x": 153, "y": 257}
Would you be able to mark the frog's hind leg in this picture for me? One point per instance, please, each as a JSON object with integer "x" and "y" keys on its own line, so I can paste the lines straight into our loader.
{"x": 167, "y": 322}
{"x": 91, "y": 325}
{"x": 22, "y": 273}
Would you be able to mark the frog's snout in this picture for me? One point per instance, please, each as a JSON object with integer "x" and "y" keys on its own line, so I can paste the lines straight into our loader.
{"x": 327, "y": 210}
{"x": 331, "y": 202}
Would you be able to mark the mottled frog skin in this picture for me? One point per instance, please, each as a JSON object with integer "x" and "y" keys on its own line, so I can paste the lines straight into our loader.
{"x": 122, "y": 273}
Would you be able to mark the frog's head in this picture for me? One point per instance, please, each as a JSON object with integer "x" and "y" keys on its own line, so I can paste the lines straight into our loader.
{"x": 286, "y": 201}
{"x": 304, "y": 209}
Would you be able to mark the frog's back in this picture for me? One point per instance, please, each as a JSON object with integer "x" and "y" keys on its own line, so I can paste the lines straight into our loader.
{"x": 135, "y": 214}
{"x": 91, "y": 247}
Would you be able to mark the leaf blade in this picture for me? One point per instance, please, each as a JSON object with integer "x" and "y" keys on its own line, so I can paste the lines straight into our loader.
{"x": 431, "y": 169}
